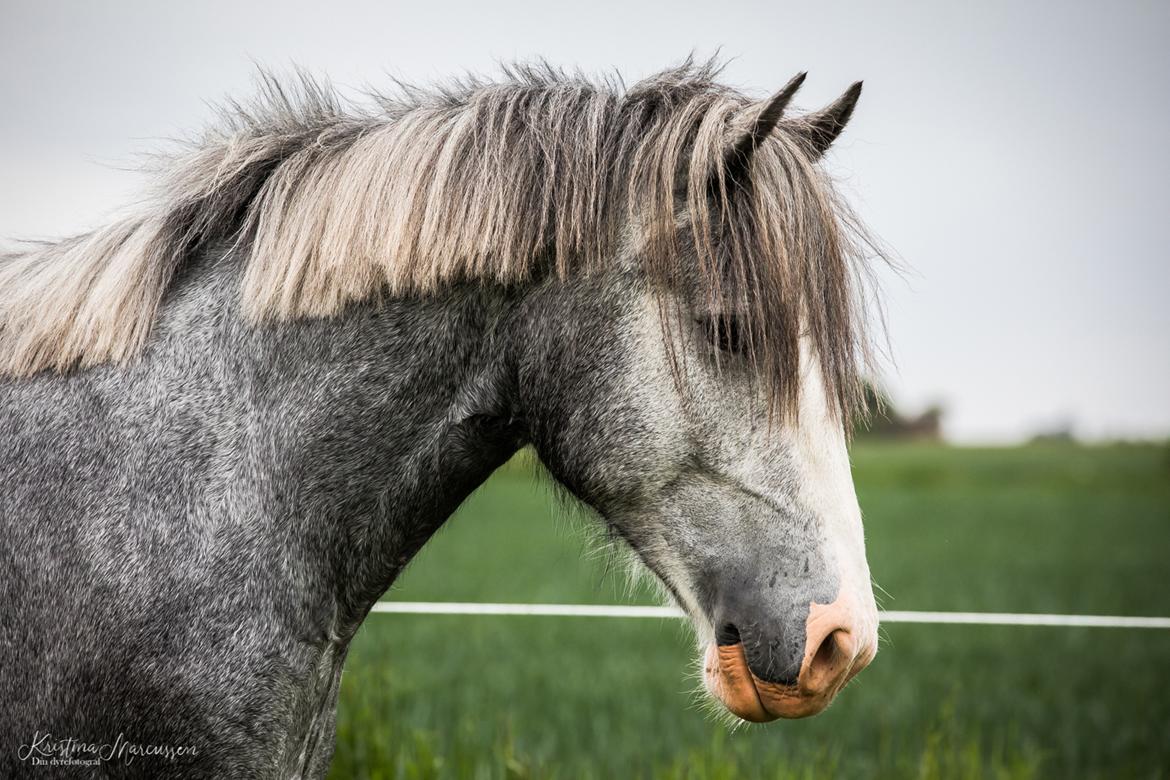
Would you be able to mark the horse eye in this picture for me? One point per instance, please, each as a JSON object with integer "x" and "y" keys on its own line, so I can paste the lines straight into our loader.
{"x": 723, "y": 331}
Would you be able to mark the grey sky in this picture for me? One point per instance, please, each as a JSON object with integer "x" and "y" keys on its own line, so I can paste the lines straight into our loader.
{"x": 1015, "y": 154}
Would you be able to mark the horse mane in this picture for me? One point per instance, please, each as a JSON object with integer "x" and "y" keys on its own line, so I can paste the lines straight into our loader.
{"x": 334, "y": 201}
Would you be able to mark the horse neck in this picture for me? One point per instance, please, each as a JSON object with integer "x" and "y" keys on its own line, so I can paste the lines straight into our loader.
{"x": 355, "y": 436}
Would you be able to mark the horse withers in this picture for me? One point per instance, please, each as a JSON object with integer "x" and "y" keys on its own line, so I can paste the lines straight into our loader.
{"x": 230, "y": 419}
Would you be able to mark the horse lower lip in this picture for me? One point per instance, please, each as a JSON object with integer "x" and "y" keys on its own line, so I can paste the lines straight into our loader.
{"x": 728, "y": 677}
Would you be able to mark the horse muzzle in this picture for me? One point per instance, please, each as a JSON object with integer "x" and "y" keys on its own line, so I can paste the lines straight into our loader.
{"x": 839, "y": 643}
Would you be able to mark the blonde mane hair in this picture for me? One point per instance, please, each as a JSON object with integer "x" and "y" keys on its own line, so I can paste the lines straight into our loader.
{"x": 332, "y": 202}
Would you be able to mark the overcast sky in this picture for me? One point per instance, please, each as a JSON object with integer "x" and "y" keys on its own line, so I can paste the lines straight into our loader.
{"x": 1014, "y": 154}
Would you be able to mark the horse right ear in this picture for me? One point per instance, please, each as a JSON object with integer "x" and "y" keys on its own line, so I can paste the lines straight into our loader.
{"x": 821, "y": 128}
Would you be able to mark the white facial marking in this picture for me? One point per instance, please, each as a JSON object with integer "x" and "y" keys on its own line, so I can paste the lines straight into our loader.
{"x": 826, "y": 487}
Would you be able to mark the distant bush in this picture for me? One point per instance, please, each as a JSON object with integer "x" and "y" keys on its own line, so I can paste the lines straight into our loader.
{"x": 882, "y": 420}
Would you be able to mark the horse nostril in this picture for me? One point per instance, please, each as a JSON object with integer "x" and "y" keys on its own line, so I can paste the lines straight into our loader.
{"x": 829, "y": 661}
{"x": 824, "y": 655}
{"x": 727, "y": 634}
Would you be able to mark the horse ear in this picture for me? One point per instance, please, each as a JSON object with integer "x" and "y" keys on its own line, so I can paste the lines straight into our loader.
{"x": 821, "y": 128}
{"x": 738, "y": 160}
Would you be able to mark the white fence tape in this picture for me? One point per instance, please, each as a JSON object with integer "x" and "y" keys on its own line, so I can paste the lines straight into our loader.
{"x": 889, "y": 616}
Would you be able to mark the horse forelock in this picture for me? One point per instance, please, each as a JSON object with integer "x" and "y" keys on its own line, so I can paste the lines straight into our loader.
{"x": 334, "y": 201}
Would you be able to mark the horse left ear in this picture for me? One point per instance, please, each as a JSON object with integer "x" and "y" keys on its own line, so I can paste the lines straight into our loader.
{"x": 821, "y": 128}
{"x": 738, "y": 160}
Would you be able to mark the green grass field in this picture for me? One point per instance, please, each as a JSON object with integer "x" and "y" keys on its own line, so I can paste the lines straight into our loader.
{"x": 1043, "y": 529}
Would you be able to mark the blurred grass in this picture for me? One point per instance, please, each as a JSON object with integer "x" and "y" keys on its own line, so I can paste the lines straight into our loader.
{"x": 1052, "y": 529}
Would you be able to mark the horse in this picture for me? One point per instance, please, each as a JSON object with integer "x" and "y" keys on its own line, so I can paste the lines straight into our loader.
{"x": 229, "y": 418}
